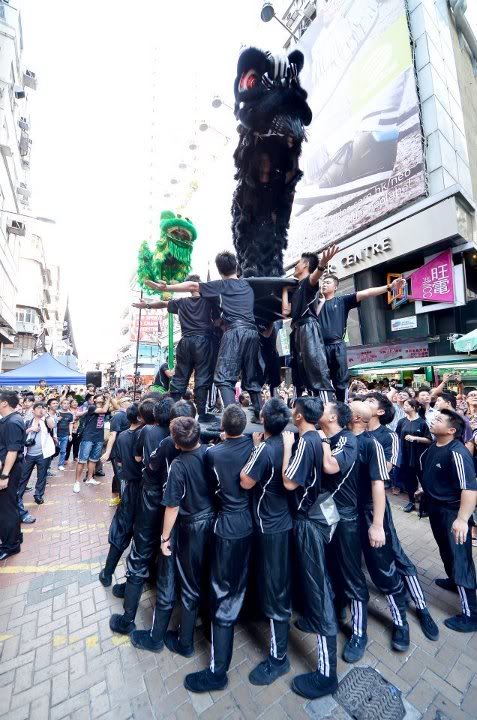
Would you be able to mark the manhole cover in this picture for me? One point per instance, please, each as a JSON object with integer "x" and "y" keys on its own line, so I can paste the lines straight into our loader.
{"x": 365, "y": 695}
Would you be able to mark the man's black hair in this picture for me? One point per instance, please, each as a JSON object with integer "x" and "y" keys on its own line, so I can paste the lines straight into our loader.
{"x": 234, "y": 420}
{"x": 153, "y": 395}
{"x": 48, "y": 402}
{"x": 193, "y": 278}
{"x": 38, "y": 404}
{"x": 312, "y": 259}
{"x": 423, "y": 388}
{"x": 146, "y": 411}
{"x": 226, "y": 263}
{"x": 384, "y": 403}
{"x": 132, "y": 414}
{"x": 10, "y": 397}
{"x": 276, "y": 416}
{"x": 454, "y": 420}
{"x": 162, "y": 411}
{"x": 343, "y": 412}
{"x": 310, "y": 407}
{"x": 450, "y": 398}
{"x": 188, "y": 394}
{"x": 332, "y": 277}
{"x": 29, "y": 396}
{"x": 183, "y": 408}
{"x": 185, "y": 431}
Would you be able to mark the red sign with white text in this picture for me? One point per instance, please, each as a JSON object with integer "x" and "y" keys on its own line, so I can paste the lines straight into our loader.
{"x": 434, "y": 282}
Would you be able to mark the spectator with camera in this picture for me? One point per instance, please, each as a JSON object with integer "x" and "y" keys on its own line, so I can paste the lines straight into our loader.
{"x": 92, "y": 438}
{"x": 40, "y": 447}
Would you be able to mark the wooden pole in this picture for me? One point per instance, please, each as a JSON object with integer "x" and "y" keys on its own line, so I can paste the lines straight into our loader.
{"x": 137, "y": 349}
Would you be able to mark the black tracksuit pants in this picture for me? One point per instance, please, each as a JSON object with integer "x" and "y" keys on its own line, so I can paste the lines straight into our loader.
{"x": 10, "y": 527}
{"x": 229, "y": 574}
{"x": 122, "y": 524}
{"x": 194, "y": 354}
{"x": 194, "y": 541}
{"x": 273, "y": 571}
{"x": 239, "y": 355}
{"x": 146, "y": 534}
{"x": 309, "y": 359}
{"x": 338, "y": 367}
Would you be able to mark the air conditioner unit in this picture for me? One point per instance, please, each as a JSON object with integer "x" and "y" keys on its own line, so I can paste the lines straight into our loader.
{"x": 19, "y": 92}
{"x": 309, "y": 10}
{"x": 29, "y": 79}
{"x": 25, "y": 163}
{"x": 24, "y": 124}
{"x": 23, "y": 190}
{"x": 24, "y": 144}
{"x": 15, "y": 227}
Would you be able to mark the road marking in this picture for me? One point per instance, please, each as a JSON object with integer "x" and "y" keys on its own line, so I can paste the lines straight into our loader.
{"x": 66, "y": 528}
{"x": 45, "y": 504}
{"x": 91, "y": 641}
{"x": 5, "y": 637}
{"x": 28, "y": 569}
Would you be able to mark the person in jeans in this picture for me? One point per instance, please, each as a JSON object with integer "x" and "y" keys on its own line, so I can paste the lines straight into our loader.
{"x": 73, "y": 444}
{"x": 64, "y": 431}
{"x": 38, "y": 455}
{"x": 92, "y": 439}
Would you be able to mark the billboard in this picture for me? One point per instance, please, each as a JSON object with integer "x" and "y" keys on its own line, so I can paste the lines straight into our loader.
{"x": 151, "y": 325}
{"x": 364, "y": 155}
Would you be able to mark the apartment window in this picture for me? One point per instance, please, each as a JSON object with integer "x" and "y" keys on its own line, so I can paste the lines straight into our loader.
{"x": 27, "y": 315}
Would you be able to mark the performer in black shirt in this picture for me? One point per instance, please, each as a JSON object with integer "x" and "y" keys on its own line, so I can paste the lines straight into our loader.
{"x": 310, "y": 368}
{"x": 414, "y": 436}
{"x": 195, "y": 349}
{"x": 333, "y": 319}
{"x": 302, "y": 472}
{"x": 449, "y": 482}
{"x": 240, "y": 343}
{"x": 12, "y": 443}
{"x": 230, "y": 557}
{"x": 273, "y": 523}
{"x": 129, "y": 475}
{"x": 382, "y": 413}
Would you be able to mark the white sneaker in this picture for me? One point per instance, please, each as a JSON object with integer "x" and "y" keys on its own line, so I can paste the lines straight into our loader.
{"x": 61, "y": 467}
{"x": 76, "y": 487}
{"x": 93, "y": 482}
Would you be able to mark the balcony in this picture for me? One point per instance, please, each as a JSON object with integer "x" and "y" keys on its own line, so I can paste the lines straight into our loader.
{"x": 29, "y": 79}
{"x": 24, "y": 144}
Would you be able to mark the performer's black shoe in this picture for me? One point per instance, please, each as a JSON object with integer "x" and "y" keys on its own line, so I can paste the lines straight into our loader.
{"x": 410, "y": 507}
{"x": 461, "y": 623}
{"x": 142, "y": 639}
{"x": 303, "y": 625}
{"x": 104, "y": 579}
{"x": 99, "y": 473}
{"x": 256, "y": 419}
{"x": 400, "y": 637}
{"x": 4, "y": 554}
{"x": 205, "y": 681}
{"x": 446, "y": 584}
{"x": 119, "y": 590}
{"x": 428, "y": 626}
{"x": 313, "y": 685}
{"x": 269, "y": 670}
{"x": 38, "y": 500}
{"x": 355, "y": 648}
{"x": 208, "y": 418}
{"x": 121, "y": 624}
{"x": 175, "y": 646}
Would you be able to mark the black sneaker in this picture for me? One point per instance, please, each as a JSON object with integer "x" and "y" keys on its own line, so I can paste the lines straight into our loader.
{"x": 104, "y": 579}
{"x": 446, "y": 584}
{"x": 120, "y": 624}
{"x": 355, "y": 648}
{"x": 119, "y": 590}
{"x": 428, "y": 626}
{"x": 99, "y": 473}
{"x": 205, "y": 681}
{"x": 39, "y": 501}
{"x": 313, "y": 685}
{"x": 410, "y": 507}
{"x": 142, "y": 639}
{"x": 400, "y": 637}
{"x": 268, "y": 671}
{"x": 461, "y": 623}
{"x": 28, "y": 519}
{"x": 175, "y": 646}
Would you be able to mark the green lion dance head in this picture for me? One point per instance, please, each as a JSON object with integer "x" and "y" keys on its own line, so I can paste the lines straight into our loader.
{"x": 171, "y": 259}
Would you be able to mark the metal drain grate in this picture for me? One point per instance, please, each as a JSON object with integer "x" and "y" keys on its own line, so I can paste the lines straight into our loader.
{"x": 366, "y": 695}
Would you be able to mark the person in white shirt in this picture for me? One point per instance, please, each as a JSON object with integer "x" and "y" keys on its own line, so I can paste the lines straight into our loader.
{"x": 39, "y": 449}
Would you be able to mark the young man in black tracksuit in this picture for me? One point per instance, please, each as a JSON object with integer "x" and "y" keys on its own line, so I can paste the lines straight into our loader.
{"x": 302, "y": 472}
{"x": 273, "y": 523}
{"x": 382, "y": 412}
{"x": 129, "y": 475}
{"x": 240, "y": 344}
{"x": 450, "y": 485}
{"x": 232, "y": 543}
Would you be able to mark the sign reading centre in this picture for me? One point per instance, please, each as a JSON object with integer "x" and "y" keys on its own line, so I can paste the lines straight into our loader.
{"x": 364, "y": 155}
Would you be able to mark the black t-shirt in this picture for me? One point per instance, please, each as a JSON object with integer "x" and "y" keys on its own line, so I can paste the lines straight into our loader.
{"x": 303, "y": 300}
{"x": 446, "y": 471}
{"x": 63, "y": 425}
{"x": 12, "y": 436}
{"x": 195, "y": 315}
{"x": 119, "y": 422}
{"x": 125, "y": 450}
{"x": 411, "y": 451}
{"x": 224, "y": 463}
{"x": 160, "y": 462}
{"x": 234, "y": 298}
{"x": 389, "y": 442}
{"x": 188, "y": 485}
{"x": 149, "y": 440}
{"x": 344, "y": 484}
{"x": 271, "y": 512}
{"x": 333, "y": 316}
{"x": 93, "y": 426}
{"x": 372, "y": 466}
{"x": 161, "y": 378}
{"x": 305, "y": 468}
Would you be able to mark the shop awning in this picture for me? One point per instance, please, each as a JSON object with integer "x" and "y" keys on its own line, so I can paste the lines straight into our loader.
{"x": 466, "y": 343}
{"x": 43, "y": 367}
{"x": 392, "y": 366}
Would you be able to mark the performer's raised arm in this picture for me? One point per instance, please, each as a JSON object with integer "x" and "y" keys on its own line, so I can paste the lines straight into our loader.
{"x": 161, "y": 286}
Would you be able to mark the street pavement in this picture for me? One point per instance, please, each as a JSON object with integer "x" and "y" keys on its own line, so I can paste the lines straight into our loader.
{"x": 59, "y": 659}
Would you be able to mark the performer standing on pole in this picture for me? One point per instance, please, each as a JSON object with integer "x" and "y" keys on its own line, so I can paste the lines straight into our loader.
{"x": 240, "y": 345}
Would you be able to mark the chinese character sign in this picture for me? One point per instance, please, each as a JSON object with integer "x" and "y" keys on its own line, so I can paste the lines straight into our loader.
{"x": 434, "y": 282}
{"x": 151, "y": 325}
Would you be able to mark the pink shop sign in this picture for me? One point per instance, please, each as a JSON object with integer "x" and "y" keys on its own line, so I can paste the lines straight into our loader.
{"x": 434, "y": 281}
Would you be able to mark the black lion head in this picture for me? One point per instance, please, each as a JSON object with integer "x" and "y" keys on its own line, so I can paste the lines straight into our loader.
{"x": 269, "y": 100}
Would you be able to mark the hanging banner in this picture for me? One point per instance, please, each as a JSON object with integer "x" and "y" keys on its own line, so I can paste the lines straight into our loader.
{"x": 434, "y": 282}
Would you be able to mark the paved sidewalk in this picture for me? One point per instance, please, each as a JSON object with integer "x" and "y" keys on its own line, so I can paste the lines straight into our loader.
{"x": 59, "y": 659}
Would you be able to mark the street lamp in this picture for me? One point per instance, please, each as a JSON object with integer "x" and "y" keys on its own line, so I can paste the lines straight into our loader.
{"x": 38, "y": 218}
{"x": 268, "y": 13}
{"x": 218, "y": 102}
